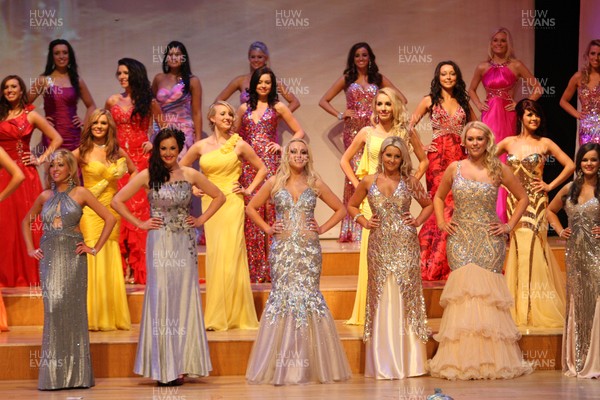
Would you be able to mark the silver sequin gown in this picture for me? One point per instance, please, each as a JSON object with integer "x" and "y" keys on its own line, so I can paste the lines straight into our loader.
{"x": 581, "y": 338}
{"x": 297, "y": 340}
{"x": 478, "y": 338}
{"x": 396, "y": 320}
{"x": 65, "y": 356}
{"x": 172, "y": 337}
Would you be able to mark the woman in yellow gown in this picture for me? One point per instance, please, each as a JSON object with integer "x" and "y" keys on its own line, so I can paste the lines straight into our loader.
{"x": 102, "y": 163}
{"x": 229, "y": 301}
{"x": 388, "y": 119}
{"x": 532, "y": 273}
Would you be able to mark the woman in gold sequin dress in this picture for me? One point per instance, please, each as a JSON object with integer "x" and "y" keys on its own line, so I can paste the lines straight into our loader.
{"x": 581, "y": 201}
{"x": 297, "y": 340}
{"x": 532, "y": 273}
{"x": 360, "y": 81}
{"x": 477, "y": 336}
{"x": 396, "y": 321}
{"x": 587, "y": 85}
{"x": 388, "y": 118}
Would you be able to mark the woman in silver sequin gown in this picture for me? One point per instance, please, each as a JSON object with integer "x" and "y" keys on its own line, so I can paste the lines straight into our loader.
{"x": 297, "y": 340}
{"x": 172, "y": 339}
{"x": 581, "y": 201}
{"x": 396, "y": 321}
{"x": 477, "y": 336}
{"x": 64, "y": 360}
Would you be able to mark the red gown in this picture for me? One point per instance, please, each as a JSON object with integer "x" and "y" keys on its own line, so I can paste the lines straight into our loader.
{"x": 131, "y": 134}
{"x": 16, "y": 267}
{"x": 446, "y": 138}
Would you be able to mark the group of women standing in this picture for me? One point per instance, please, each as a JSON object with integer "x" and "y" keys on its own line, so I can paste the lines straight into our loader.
{"x": 147, "y": 179}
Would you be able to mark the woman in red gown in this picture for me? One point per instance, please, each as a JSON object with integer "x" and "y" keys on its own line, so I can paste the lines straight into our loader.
{"x": 448, "y": 107}
{"x": 17, "y": 122}
{"x": 133, "y": 111}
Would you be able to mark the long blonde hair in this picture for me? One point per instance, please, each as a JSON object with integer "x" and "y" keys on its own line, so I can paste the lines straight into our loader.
{"x": 587, "y": 68}
{"x": 399, "y": 114}
{"x": 71, "y": 162}
{"x": 283, "y": 172}
{"x": 405, "y": 167}
{"x": 87, "y": 143}
{"x": 490, "y": 161}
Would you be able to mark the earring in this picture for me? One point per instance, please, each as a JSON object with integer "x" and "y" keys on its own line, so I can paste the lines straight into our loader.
{"x": 71, "y": 182}
{"x": 370, "y": 65}
{"x": 52, "y": 186}
{"x": 580, "y": 174}
{"x": 376, "y": 119}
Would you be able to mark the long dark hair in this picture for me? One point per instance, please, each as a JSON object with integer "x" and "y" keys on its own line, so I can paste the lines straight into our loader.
{"x": 272, "y": 97}
{"x": 141, "y": 92}
{"x": 575, "y": 189}
{"x": 4, "y": 104}
{"x": 351, "y": 72}
{"x": 185, "y": 69}
{"x": 71, "y": 67}
{"x": 536, "y": 108}
{"x": 459, "y": 92}
{"x": 157, "y": 170}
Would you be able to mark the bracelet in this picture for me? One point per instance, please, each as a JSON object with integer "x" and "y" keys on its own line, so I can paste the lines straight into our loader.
{"x": 509, "y": 227}
{"x": 560, "y": 234}
{"x": 357, "y": 216}
{"x": 93, "y": 252}
{"x": 340, "y": 116}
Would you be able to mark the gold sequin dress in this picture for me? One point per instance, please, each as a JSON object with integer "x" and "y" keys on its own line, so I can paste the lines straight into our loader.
{"x": 581, "y": 338}
{"x": 396, "y": 321}
{"x": 477, "y": 336}
{"x": 534, "y": 278}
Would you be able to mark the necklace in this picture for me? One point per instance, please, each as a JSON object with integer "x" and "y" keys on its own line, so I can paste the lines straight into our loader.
{"x": 100, "y": 146}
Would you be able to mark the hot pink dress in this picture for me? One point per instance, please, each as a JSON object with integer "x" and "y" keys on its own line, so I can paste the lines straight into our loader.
{"x": 358, "y": 99}
{"x": 176, "y": 107}
{"x": 131, "y": 134}
{"x": 499, "y": 82}
{"x": 17, "y": 268}
{"x": 259, "y": 135}
{"x": 589, "y": 123}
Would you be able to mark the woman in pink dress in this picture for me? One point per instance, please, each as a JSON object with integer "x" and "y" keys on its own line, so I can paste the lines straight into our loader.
{"x": 258, "y": 57}
{"x": 448, "y": 106}
{"x": 499, "y": 75}
{"x": 62, "y": 88}
{"x": 179, "y": 94}
{"x": 133, "y": 111}
{"x": 257, "y": 124}
{"x": 17, "y": 122}
{"x": 360, "y": 82}
{"x": 587, "y": 85}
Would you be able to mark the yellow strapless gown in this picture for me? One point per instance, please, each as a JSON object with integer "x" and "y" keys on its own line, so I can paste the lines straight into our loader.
{"x": 106, "y": 298}
{"x": 229, "y": 301}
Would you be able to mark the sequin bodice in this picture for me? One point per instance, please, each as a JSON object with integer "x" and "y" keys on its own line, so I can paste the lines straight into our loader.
{"x": 390, "y": 209}
{"x": 61, "y": 215}
{"x": 499, "y": 81}
{"x": 131, "y": 132}
{"x": 475, "y": 210}
{"x": 443, "y": 123}
{"x": 360, "y": 99}
{"x": 171, "y": 203}
{"x": 590, "y": 100}
{"x": 295, "y": 259}
{"x": 15, "y": 135}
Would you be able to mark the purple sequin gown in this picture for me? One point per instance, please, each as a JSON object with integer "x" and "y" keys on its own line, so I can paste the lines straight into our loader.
{"x": 259, "y": 135}
{"x": 360, "y": 100}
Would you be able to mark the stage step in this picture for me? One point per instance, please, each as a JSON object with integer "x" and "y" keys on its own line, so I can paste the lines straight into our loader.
{"x": 113, "y": 353}
{"x": 25, "y": 306}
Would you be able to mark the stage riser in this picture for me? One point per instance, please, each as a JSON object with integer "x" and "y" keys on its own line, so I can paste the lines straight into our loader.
{"x": 29, "y": 310}
{"x": 339, "y": 264}
{"x": 114, "y": 360}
